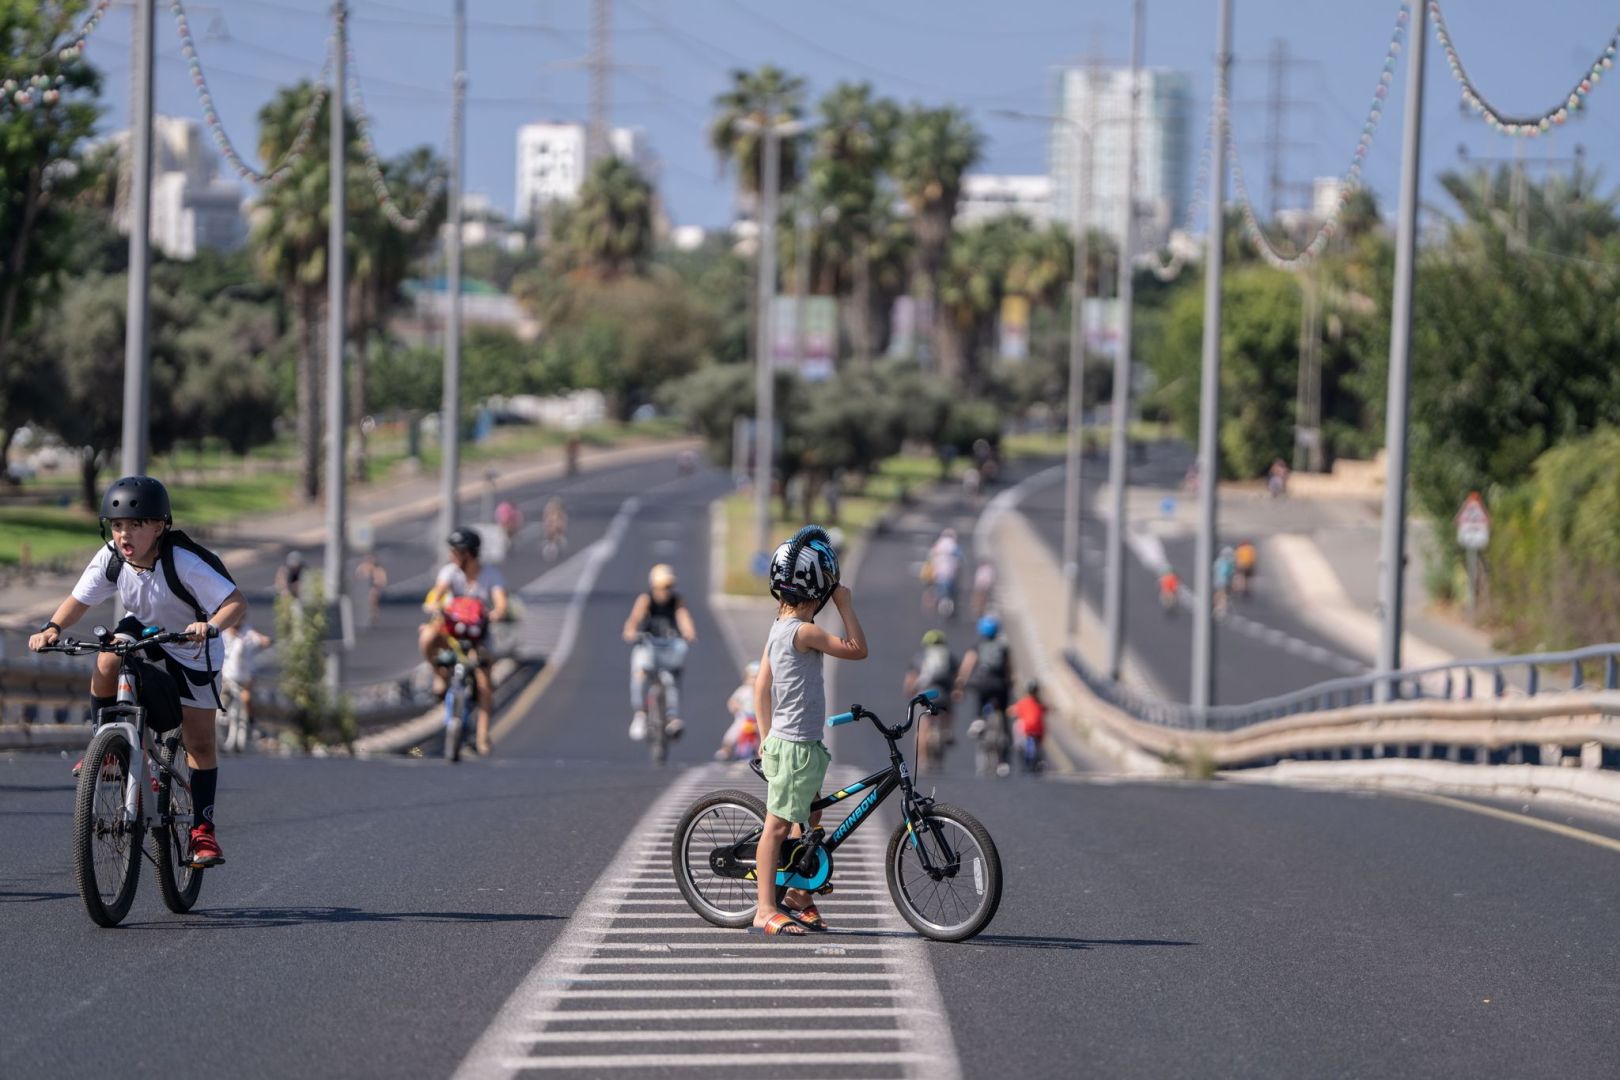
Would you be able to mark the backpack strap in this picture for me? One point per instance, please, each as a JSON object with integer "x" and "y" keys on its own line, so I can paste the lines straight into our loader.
{"x": 115, "y": 563}
{"x": 171, "y": 574}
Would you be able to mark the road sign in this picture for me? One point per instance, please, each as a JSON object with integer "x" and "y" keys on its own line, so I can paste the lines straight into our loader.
{"x": 1473, "y": 524}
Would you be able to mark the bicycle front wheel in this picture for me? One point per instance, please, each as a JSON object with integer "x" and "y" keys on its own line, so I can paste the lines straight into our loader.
{"x": 178, "y": 881}
{"x": 106, "y": 846}
{"x": 657, "y": 737}
{"x": 452, "y": 723}
{"x": 960, "y": 898}
{"x": 723, "y": 820}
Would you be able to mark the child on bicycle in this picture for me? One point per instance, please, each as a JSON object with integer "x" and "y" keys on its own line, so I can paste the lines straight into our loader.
{"x": 741, "y": 740}
{"x": 464, "y": 575}
{"x": 161, "y": 580}
{"x": 790, "y": 701}
{"x": 1031, "y": 713}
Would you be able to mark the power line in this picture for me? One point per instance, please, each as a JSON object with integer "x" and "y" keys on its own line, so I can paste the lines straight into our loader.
{"x": 815, "y": 46}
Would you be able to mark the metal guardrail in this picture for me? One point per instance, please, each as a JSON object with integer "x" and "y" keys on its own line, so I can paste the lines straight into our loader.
{"x": 1459, "y": 680}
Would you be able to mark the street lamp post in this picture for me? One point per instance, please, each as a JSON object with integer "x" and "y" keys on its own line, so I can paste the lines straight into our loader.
{"x": 1081, "y": 187}
{"x": 1119, "y": 445}
{"x": 764, "y": 383}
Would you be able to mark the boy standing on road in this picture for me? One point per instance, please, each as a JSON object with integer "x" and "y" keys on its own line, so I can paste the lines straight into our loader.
{"x": 790, "y": 701}
{"x": 142, "y": 566}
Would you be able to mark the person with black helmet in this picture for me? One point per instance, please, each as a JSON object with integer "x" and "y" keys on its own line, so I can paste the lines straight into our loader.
{"x": 463, "y": 575}
{"x": 161, "y": 578}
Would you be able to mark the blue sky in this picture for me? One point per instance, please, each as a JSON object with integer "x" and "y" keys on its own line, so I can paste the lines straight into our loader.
{"x": 677, "y": 54}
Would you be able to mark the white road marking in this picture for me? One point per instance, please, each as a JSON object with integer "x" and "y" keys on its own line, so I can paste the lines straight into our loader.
{"x": 618, "y": 948}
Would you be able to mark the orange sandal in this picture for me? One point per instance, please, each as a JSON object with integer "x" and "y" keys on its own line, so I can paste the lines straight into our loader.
{"x": 807, "y": 917}
{"x": 779, "y": 925}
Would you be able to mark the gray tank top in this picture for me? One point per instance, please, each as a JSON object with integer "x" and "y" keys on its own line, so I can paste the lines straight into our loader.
{"x": 798, "y": 697}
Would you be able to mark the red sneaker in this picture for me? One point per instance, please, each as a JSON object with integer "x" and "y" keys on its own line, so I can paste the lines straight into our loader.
{"x": 204, "y": 848}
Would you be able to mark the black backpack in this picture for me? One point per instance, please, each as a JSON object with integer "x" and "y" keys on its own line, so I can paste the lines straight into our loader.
{"x": 993, "y": 668}
{"x": 172, "y": 539}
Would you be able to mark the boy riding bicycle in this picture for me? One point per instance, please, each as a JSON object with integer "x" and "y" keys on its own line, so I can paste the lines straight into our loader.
{"x": 790, "y": 702}
{"x": 463, "y": 575}
{"x": 161, "y": 579}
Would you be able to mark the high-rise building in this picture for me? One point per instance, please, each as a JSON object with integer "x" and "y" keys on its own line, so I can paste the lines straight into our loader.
{"x": 1101, "y": 97}
{"x": 192, "y": 208}
{"x": 551, "y": 162}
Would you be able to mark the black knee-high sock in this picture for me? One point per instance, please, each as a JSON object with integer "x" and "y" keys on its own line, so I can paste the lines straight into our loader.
{"x": 99, "y": 703}
{"x": 204, "y": 782}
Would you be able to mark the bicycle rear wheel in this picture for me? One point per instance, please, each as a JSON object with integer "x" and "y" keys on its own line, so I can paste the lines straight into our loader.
{"x": 178, "y": 881}
{"x": 452, "y": 721}
{"x": 106, "y": 847}
{"x": 724, "y": 819}
{"x": 657, "y": 738}
{"x": 963, "y": 899}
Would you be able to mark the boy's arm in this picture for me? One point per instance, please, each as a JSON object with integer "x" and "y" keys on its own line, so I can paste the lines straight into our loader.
{"x": 852, "y": 646}
{"x": 227, "y": 615}
{"x": 67, "y": 613}
{"x": 762, "y": 695}
{"x": 499, "y": 608}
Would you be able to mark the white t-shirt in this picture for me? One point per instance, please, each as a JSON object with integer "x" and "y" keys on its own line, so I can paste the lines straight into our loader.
{"x": 946, "y": 557}
{"x": 489, "y": 579}
{"x": 241, "y": 653}
{"x": 146, "y": 595}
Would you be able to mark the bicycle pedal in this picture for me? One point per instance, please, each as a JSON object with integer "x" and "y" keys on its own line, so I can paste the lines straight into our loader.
{"x": 825, "y": 890}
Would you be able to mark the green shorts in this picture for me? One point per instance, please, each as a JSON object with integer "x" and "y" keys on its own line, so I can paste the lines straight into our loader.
{"x": 793, "y": 772}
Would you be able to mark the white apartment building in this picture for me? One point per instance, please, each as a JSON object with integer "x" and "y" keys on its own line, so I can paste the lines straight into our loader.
{"x": 986, "y": 196}
{"x": 1100, "y": 97}
{"x": 192, "y": 208}
{"x": 551, "y": 162}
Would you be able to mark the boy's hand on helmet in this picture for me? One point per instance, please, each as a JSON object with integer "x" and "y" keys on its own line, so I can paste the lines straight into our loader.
{"x": 841, "y": 593}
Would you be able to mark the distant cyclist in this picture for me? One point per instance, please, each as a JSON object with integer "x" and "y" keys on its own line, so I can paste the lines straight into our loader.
{"x": 933, "y": 668}
{"x": 1245, "y": 558}
{"x": 1225, "y": 573}
{"x": 290, "y": 575}
{"x": 554, "y": 528}
{"x": 660, "y": 627}
{"x": 464, "y": 575}
{"x": 1169, "y": 590}
{"x": 987, "y": 671}
{"x": 242, "y": 647}
{"x": 984, "y": 587}
{"x": 943, "y": 565}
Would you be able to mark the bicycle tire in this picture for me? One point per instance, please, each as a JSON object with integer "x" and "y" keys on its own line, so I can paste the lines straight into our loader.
{"x": 99, "y": 797}
{"x": 452, "y": 723}
{"x": 178, "y": 881}
{"x": 657, "y": 738}
{"x": 983, "y": 883}
{"x": 735, "y": 900}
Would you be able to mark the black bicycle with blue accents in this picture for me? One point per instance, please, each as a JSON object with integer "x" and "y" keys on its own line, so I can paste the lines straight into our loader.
{"x": 942, "y": 867}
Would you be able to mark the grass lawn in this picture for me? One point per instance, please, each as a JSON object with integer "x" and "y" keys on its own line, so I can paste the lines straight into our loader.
{"x": 67, "y": 536}
{"x": 856, "y": 514}
{"x": 1056, "y": 443}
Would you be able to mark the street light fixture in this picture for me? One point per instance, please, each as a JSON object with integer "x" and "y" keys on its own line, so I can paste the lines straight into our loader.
{"x": 764, "y": 384}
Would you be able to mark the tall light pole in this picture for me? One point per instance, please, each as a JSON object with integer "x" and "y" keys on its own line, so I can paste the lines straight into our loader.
{"x": 1392, "y": 550}
{"x": 1119, "y": 445}
{"x": 771, "y": 134}
{"x": 137, "y": 345}
{"x": 1081, "y": 188}
{"x": 450, "y": 408}
{"x": 336, "y": 327}
{"x": 1209, "y": 401}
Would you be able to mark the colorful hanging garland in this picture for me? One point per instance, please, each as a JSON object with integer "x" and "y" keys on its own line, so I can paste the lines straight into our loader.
{"x": 379, "y": 183}
{"x": 43, "y": 89}
{"x": 216, "y": 127}
{"x": 1329, "y": 228}
{"x": 1522, "y": 126}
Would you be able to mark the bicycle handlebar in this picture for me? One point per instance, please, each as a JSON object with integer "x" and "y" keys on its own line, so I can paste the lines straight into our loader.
{"x": 107, "y": 643}
{"x": 927, "y": 699}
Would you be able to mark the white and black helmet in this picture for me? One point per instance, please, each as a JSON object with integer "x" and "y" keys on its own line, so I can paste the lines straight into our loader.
{"x": 805, "y": 568}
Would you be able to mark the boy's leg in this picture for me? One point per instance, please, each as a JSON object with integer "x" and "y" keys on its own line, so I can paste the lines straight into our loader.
{"x": 486, "y": 695}
{"x": 197, "y": 731}
{"x": 640, "y": 660}
{"x": 104, "y": 683}
{"x": 766, "y": 854}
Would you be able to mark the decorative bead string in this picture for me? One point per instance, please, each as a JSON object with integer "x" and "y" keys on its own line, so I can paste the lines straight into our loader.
{"x": 379, "y": 183}
{"x": 43, "y": 89}
{"x": 1522, "y": 126}
{"x": 1171, "y": 268}
{"x": 301, "y": 140}
{"x": 1329, "y": 227}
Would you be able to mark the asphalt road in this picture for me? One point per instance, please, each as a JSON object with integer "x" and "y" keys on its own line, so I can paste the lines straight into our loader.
{"x": 375, "y": 917}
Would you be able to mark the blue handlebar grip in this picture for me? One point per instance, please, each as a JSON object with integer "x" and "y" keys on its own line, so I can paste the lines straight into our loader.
{"x": 932, "y": 693}
{"x": 841, "y": 718}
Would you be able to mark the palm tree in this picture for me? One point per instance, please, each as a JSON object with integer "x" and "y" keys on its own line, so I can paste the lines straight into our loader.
{"x": 290, "y": 238}
{"x": 381, "y": 256}
{"x": 608, "y": 232}
{"x": 768, "y": 95}
{"x": 853, "y": 144}
{"x": 932, "y": 151}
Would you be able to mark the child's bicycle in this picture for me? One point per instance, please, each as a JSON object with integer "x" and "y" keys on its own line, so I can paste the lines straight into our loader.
{"x": 942, "y": 867}
{"x": 111, "y": 811}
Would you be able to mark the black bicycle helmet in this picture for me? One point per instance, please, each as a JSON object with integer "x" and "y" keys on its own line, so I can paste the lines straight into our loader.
{"x": 139, "y": 497}
{"x": 805, "y": 568}
{"x": 468, "y": 540}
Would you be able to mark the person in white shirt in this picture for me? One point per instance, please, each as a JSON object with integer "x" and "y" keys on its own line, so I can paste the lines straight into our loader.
{"x": 140, "y": 565}
{"x": 242, "y": 647}
{"x": 464, "y": 575}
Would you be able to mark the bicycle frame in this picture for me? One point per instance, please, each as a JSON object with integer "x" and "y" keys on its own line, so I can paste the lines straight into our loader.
{"x": 143, "y": 745}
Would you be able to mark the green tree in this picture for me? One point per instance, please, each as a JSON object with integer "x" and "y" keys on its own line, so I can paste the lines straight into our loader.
{"x": 932, "y": 151}
{"x": 608, "y": 232}
{"x": 768, "y": 95}
{"x": 42, "y": 169}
